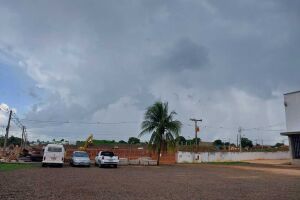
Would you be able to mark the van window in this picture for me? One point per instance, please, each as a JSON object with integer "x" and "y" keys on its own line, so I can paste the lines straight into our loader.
{"x": 54, "y": 149}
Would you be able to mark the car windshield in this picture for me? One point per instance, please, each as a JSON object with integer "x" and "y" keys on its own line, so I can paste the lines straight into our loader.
{"x": 80, "y": 154}
{"x": 107, "y": 153}
{"x": 54, "y": 149}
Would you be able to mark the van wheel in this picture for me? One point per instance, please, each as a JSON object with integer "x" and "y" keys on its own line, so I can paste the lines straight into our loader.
{"x": 100, "y": 166}
{"x": 115, "y": 166}
{"x": 61, "y": 165}
{"x": 44, "y": 165}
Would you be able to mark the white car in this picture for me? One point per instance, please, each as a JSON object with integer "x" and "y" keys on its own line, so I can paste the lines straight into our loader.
{"x": 106, "y": 158}
{"x": 54, "y": 154}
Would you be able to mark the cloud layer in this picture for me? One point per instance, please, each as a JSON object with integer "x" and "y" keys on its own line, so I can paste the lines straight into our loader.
{"x": 226, "y": 62}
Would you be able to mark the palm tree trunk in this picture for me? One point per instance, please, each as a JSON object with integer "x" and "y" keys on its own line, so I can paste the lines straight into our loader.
{"x": 158, "y": 156}
{"x": 159, "y": 149}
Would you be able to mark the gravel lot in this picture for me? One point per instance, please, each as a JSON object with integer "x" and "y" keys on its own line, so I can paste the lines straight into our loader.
{"x": 137, "y": 182}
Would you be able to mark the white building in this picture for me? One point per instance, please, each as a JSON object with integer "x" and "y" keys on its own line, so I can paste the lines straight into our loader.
{"x": 292, "y": 115}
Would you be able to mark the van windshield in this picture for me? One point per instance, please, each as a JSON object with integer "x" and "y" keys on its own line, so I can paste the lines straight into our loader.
{"x": 54, "y": 149}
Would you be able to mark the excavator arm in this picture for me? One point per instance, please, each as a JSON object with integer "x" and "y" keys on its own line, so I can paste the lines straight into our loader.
{"x": 88, "y": 141}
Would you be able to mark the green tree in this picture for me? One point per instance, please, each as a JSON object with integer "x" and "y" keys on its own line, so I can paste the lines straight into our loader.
{"x": 246, "y": 142}
{"x": 14, "y": 140}
{"x": 122, "y": 142}
{"x": 194, "y": 141}
{"x": 11, "y": 140}
{"x": 278, "y": 145}
{"x": 227, "y": 144}
{"x": 134, "y": 140}
{"x": 181, "y": 140}
{"x": 163, "y": 128}
{"x": 218, "y": 143}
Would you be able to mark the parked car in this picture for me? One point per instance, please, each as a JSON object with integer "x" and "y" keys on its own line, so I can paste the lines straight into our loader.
{"x": 106, "y": 158}
{"x": 54, "y": 154}
{"x": 80, "y": 158}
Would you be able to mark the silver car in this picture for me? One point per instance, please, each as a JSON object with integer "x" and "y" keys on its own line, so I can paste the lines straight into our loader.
{"x": 80, "y": 158}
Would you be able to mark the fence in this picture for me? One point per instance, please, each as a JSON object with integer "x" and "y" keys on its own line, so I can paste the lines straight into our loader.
{"x": 191, "y": 157}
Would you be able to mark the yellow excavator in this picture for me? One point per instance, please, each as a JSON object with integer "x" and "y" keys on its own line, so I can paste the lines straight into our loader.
{"x": 88, "y": 141}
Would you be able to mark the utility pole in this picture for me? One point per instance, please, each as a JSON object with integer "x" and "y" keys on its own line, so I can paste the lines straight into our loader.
{"x": 196, "y": 128}
{"x": 240, "y": 133}
{"x": 7, "y": 130}
{"x": 23, "y": 138}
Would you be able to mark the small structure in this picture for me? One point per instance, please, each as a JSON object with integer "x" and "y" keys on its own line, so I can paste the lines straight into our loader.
{"x": 292, "y": 114}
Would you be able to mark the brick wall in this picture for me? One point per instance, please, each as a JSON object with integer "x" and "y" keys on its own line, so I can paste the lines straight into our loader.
{"x": 130, "y": 153}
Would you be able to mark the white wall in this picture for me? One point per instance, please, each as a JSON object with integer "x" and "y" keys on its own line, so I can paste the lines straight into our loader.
{"x": 190, "y": 157}
{"x": 292, "y": 111}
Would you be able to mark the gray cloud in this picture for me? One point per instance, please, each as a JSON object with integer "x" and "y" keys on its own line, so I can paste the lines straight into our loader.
{"x": 220, "y": 60}
{"x": 185, "y": 55}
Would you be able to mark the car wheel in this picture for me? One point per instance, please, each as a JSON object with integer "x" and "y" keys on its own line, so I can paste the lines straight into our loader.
{"x": 44, "y": 165}
{"x": 100, "y": 166}
{"x": 115, "y": 166}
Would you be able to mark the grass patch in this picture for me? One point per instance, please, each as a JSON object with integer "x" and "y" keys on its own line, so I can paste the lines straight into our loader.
{"x": 227, "y": 163}
{"x": 15, "y": 166}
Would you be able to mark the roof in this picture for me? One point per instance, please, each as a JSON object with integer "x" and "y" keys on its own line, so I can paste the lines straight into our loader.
{"x": 290, "y": 133}
{"x": 292, "y": 92}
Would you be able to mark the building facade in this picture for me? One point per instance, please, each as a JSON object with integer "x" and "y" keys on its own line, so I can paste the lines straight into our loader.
{"x": 292, "y": 114}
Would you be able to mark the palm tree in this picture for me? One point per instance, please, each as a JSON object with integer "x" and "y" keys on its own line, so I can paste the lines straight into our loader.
{"x": 161, "y": 125}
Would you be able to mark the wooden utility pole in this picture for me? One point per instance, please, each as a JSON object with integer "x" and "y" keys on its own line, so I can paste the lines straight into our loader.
{"x": 240, "y": 133}
{"x": 7, "y": 130}
{"x": 196, "y": 129}
{"x": 23, "y": 138}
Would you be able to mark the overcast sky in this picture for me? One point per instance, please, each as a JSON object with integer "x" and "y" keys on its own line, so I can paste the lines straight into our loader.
{"x": 226, "y": 62}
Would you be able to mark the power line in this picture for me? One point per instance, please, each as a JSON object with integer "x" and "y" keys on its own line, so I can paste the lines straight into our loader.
{"x": 79, "y": 122}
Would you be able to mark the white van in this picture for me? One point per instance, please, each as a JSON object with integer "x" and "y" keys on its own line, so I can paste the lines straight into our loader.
{"x": 53, "y": 155}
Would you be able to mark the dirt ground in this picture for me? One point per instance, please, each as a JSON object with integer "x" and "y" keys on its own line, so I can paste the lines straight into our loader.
{"x": 160, "y": 182}
{"x": 270, "y": 162}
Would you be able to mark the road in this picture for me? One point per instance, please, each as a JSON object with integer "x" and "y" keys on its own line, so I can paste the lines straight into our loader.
{"x": 158, "y": 182}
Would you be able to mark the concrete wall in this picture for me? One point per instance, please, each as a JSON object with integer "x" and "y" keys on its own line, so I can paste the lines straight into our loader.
{"x": 190, "y": 157}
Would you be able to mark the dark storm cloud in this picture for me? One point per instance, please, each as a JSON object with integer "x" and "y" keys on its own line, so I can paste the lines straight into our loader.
{"x": 185, "y": 54}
